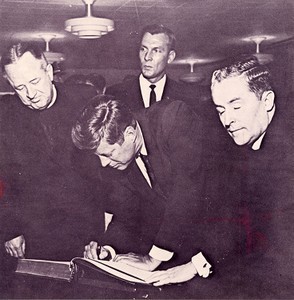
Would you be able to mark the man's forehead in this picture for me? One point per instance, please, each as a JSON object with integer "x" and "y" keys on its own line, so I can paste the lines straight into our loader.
{"x": 104, "y": 147}
{"x": 27, "y": 60}
{"x": 24, "y": 68}
{"x": 157, "y": 38}
{"x": 229, "y": 88}
{"x": 233, "y": 83}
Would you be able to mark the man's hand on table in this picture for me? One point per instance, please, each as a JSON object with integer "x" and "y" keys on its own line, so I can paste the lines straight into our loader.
{"x": 16, "y": 247}
{"x": 144, "y": 262}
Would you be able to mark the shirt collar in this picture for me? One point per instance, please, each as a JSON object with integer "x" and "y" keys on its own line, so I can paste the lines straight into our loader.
{"x": 54, "y": 97}
{"x": 143, "y": 149}
{"x": 145, "y": 88}
{"x": 257, "y": 144}
{"x": 146, "y": 83}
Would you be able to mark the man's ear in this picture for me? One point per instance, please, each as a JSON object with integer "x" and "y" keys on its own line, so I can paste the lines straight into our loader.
{"x": 171, "y": 56}
{"x": 130, "y": 134}
{"x": 268, "y": 97}
{"x": 49, "y": 70}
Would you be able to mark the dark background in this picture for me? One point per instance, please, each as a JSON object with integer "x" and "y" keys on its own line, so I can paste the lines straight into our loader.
{"x": 204, "y": 29}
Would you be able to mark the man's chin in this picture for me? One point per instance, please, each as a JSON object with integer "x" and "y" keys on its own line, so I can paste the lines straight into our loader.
{"x": 121, "y": 167}
{"x": 147, "y": 74}
{"x": 39, "y": 106}
{"x": 240, "y": 142}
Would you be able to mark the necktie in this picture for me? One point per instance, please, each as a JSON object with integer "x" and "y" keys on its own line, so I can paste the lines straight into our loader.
{"x": 152, "y": 98}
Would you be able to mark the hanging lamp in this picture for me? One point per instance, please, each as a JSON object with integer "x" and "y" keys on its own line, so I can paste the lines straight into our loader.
{"x": 89, "y": 27}
{"x": 263, "y": 58}
{"x": 51, "y": 56}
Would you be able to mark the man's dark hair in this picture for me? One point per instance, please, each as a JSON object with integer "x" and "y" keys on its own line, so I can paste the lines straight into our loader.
{"x": 257, "y": 75}
{"x": 103, "y": 117}
{"x": 159, "y": 28}
{"x": 96, "y": 80}
{"x": 16, "y": 51}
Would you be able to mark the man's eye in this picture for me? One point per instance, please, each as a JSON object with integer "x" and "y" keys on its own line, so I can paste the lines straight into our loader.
{"x": 35, "y": 81}
{"x": 19, "y": 88}
{"x": 237, "y": 107}
{"x": 220, "y": 112}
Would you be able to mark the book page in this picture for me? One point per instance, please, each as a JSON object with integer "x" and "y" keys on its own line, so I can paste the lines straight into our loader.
{"x": 121, "y": 270}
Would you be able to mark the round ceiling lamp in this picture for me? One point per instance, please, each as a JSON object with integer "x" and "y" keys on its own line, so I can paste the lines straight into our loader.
{"x": 192, "y": 76}
{"x": 51, "y": 56}
{"x": 263, "y": 58}
{"x": 89, "y": 27}
{"x": 47, "y": 37}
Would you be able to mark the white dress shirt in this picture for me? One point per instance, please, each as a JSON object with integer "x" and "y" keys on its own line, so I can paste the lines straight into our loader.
{"x": 145, "y": 89}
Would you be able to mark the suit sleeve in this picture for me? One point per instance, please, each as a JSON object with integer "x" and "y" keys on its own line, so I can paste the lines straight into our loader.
{"x": 182, "y": 134}
{"x": 123, "y": 232}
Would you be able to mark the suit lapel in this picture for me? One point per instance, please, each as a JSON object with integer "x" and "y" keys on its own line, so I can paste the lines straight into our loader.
{"x": 134, "y": 94}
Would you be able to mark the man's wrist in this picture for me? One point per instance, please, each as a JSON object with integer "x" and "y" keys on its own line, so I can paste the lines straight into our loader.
{"x": 153, "y": 262}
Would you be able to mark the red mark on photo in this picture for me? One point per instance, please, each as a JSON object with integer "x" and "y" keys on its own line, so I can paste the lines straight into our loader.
{"x": 1, "y": 188}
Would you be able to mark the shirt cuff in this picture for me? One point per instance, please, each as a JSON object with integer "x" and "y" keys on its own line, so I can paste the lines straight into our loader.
{"x": 201, "y": 265}
{"x": 160, "y": 254}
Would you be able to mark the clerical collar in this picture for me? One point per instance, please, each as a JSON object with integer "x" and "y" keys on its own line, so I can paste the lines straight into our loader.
{"x": 257, "y": 144}
{"x": 54, "y": 97}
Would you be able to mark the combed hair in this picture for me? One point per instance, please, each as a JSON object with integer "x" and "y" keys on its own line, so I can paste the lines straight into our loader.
{"x": 159, "y": 28}
{"x": 16, "y": 51}
{"x": 103, "y": 117}
{"x": 257, "y": 75}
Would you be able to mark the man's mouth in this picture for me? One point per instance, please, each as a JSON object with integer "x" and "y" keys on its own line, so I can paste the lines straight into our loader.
{"x": 232, "y": 131}
{"x": 35, "y": 100}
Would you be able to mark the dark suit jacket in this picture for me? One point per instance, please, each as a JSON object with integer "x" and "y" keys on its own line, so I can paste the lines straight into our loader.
{"x": 45, "y": 197}
{"x": 145, "y": 216}
{"x": 129, "y": 92}
{"x": 270, "y": 190}
{"x": 261, "y": 183}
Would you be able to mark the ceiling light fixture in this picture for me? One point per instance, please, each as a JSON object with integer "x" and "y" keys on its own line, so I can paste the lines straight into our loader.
{"x": 51, "y": 56}
{"x": 89, "y": 27}
{"x": 193, "y": 77}
{"x": 263, "y": 58}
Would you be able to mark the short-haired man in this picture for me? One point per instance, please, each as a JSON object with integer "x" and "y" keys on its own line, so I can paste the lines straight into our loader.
{"x": 158, "y": 155}
{"x": 244, "y": 98}
{"x": 47, "y": 206}
{"x": 157, "y": 50}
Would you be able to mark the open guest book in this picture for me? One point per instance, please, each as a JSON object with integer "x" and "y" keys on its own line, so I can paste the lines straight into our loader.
{"x": 81, "y": 268}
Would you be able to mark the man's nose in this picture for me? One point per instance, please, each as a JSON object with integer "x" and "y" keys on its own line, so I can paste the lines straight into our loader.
{"x": 31, "y": 92}
{"x": 104, "y": 161}
{"x": 148, "y": 56}
{"x": 228, "y": 119}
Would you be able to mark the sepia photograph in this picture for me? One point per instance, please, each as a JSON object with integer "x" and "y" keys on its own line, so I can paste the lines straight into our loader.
{"x": 146, "y": 149}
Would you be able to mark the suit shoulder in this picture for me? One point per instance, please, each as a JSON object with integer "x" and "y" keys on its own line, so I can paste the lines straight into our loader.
{"x": 121, "y": 87}
{"x": 169, "y": 114}
{"x": 172, "y": 108}
{"x": 77, "y": 90}
{"x": 75, "y": 96}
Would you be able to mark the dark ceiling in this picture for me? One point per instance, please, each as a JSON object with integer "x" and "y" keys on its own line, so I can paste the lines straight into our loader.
{"x": 205, "y": 28}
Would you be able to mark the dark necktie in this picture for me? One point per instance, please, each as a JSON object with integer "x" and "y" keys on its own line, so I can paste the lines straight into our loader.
{"x": 148, "y": 168}
{"x": 152, "y": 98}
